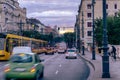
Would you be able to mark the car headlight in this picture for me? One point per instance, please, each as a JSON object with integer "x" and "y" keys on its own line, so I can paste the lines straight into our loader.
{"x": 33, "y": 69}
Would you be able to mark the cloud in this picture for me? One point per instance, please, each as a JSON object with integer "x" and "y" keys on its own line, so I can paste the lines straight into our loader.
{"x": 52, "y": 10}
{"x": 52, "y": 13}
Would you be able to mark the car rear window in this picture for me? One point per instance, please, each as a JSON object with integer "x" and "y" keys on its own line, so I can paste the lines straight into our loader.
{"x": 71, "y": 50}
{"x": 21, "y": 58}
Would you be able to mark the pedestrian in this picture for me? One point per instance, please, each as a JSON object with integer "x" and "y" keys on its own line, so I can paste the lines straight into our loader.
{"x": 109, "y": 50}
{"x": 114, "y": 52}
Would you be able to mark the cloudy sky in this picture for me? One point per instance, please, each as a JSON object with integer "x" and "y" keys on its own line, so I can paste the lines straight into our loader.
{"x": 52, "y": 12}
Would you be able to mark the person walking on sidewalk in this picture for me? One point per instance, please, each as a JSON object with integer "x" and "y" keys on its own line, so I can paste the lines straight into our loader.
{"x": 113, "y": 52}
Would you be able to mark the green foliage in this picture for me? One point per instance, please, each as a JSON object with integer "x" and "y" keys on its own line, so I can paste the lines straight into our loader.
{"x": 58, "y": 39}
{"x": 113, "y": 30}
{"x": 69, "y": 38}
{"x": 37, "y": 35}
{"x": 98, "y": 31}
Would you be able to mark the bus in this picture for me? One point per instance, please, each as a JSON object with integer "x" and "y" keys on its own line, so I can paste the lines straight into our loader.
{"x": 8, "y": 41}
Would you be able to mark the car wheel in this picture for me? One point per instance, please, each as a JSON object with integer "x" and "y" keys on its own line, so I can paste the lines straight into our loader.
{"x": 42, "y": 74}
{"x": 53, "y": 53}
{"x": 66, "y": 57}
{"x": 7, "y": 79}
{"x": 37, "y": 77}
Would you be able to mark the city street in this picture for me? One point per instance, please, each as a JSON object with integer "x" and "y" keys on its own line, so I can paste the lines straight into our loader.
{"x": 59, "y": 68}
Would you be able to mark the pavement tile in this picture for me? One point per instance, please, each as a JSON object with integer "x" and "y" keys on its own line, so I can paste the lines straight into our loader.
{"x": 97, "y": 63}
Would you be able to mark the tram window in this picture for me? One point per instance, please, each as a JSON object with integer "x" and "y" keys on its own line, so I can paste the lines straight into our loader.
{"x": 2, "y": 40}
{"x": 7, "y": 44}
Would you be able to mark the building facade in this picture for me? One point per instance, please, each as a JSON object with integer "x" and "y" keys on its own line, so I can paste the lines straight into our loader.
{"x": 12, "y": 16}
{"x": 85, "y": 17}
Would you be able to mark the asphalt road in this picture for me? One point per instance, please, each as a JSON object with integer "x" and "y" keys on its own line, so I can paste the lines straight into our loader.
{"x": 59, "y": 68}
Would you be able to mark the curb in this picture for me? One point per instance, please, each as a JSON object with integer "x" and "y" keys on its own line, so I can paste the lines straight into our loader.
{"x": 91, "y": 66}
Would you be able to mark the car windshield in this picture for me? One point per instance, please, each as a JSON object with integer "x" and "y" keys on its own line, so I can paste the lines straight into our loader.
{"x": 21, "y": 58}
{"x": 71, "y": 50}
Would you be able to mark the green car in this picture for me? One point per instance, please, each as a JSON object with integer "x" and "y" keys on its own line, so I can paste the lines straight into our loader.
{"x": 24, "y": 66}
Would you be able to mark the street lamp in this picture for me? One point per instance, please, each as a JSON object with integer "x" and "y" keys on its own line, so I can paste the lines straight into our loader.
{"x": 82, "y": 34}
{"x": 93, "y": 27}
{"x": 105, "y": 57}
{"x": 78, "y": 33}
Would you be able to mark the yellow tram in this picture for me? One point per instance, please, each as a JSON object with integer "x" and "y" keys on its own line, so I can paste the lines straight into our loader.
{"x": 8, "y": 41}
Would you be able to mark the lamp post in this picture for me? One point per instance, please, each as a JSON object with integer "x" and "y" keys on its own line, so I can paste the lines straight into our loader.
{"x": 82, "y": 45}
{"x": 77, "y": 26}
{"x": 0, "y": 28}
{"x": 105, "y": 57}
{"x": 93, "y": 27}
{"x": 20, "y": 27}
{"x": 78, "y": 34}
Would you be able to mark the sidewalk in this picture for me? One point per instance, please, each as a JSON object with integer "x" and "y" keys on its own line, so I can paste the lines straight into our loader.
{"x": 96, "y": 74}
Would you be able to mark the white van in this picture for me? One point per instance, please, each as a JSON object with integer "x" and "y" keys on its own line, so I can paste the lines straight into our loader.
{"x": 62, "y": 47}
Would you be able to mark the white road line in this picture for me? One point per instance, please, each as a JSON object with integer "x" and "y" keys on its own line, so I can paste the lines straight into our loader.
{"x": 49, "y": 58}
{"x": 56, "y": 72}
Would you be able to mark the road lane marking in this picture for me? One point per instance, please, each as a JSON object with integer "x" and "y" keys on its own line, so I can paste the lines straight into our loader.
{"x": 50, "y": 58}
{"x": 56, "y": 72}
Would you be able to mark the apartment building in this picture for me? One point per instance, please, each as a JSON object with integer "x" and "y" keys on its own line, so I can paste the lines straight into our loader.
{"x": 11, "y": 15}
{"x": 85, "y": 17}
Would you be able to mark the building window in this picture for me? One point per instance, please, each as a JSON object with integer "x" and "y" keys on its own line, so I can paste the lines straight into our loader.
{"x": 89, "y": 15}
{"x": 88, "y": 6}
{"x": 106, "y": 6}
{"x": 115, "y": 6}
{"x": 89, "y": 24}
{"x": 89, "y": 33}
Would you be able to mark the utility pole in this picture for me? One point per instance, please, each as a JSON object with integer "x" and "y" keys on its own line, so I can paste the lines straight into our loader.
{"x": 82, "y": 34}
{"x": 78, "y": 34}
{"x": 93, "y": 28}
{"x": 105, "y": 57}
{"x": 1, "y": 28}
{"x": 20, "y": 27}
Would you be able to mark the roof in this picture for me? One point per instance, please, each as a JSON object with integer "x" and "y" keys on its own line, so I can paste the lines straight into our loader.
{"x": 22, "y": 49}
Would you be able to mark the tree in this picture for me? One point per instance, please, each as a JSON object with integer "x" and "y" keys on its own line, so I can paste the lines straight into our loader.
{"x": 69, "y": 38}
{"x": 113, "y": 30}
{"x": 98, "y": 31}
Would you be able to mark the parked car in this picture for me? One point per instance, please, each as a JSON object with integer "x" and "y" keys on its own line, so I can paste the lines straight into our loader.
{"x": 50, "y": 50}
{"x": 71, "y": 53}
{"x": 24, "y": 66}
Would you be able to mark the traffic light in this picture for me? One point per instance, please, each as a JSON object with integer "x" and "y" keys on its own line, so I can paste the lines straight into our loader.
{"x": 58, "y": 28}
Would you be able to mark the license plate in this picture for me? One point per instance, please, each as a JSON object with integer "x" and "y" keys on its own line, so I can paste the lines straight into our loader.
{"x": 20, "y": 69}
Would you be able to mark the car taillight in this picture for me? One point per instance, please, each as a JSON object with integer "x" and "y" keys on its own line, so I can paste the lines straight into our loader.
{"x": 33, "y": 69}
{"x": 7, "y": 68}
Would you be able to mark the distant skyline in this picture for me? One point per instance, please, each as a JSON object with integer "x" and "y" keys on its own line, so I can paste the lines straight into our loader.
{"x": 52, "y": 12}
